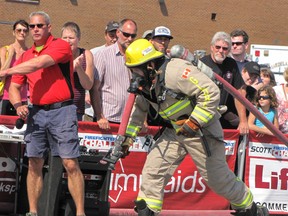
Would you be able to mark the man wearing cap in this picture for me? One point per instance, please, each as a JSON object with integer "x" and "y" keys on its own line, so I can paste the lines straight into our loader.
{"x": 109, "y": 35}
{"x": 161, "y": 37}
{"x": 110, "y": 38}
{"x": 251, "y": 76}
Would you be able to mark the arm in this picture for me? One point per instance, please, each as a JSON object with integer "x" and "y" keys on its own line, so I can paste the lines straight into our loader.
{"x": 29, "y": 66}
{"x": 241, "y": 110}
{"x": 95, "y": 100}
{"x": 6, "y": 60}
{"x": 276, "y": 120}
{"x": 86, "y": 77}
{"x": 15, "y": 100}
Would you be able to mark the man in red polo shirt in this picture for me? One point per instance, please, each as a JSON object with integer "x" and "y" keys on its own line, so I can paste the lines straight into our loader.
{"x": 51, "y": 121}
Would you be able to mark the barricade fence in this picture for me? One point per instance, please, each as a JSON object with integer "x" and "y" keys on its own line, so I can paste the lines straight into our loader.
{"x": 262, "y": 162}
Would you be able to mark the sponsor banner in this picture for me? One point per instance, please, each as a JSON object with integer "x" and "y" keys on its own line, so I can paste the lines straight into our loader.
{"x": 185, "y": 190}
{"x": 267, "y": 174}
{"x": 185, "y": 184}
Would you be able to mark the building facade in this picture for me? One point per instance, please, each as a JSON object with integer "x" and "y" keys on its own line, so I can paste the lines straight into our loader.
{"x": 192, "y": 23}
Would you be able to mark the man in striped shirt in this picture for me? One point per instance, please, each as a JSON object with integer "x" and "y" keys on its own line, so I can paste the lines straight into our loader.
{"x": 109, "y": 92}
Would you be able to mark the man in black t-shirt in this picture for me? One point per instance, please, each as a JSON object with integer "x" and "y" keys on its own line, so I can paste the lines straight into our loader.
{"x": 226, "y": 67}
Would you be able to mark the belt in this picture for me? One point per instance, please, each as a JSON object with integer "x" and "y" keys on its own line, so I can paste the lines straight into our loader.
{"x": 58, "y": 105}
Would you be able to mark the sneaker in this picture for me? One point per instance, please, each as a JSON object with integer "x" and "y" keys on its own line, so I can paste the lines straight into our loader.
{"x": 256, "y": 210}
{"x": 31, "y": 214}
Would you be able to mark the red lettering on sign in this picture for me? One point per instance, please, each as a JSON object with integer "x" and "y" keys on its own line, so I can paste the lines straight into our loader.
{"x": 274, "y": 179}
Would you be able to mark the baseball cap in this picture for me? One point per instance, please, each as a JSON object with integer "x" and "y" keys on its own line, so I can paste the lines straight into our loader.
{"x": 162, "y": 31}
{"x": 112, "y": 26}
{"x": 147, "y": 33}
{"x": 252, "y": 68}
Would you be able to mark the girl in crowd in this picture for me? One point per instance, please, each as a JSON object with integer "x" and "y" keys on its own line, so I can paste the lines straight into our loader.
{"x": 266, "y": 103}
{"x": 9, "y": 54}
{"x": 83, "y": 66}
{"x": 267, "y": 76}
{"x": 282, "y": 96}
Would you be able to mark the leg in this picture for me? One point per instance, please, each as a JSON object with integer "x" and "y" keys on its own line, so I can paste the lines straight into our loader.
{"x": 160, "y": 165}
{"x": 34, "y": 182}
{"x": 75, "y": 183}
{"x": 63, "y": 140}
{"x": 217, "y": 174}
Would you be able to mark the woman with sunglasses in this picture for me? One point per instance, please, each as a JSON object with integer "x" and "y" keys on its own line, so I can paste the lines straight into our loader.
{"x": 266, "y": 103}
{"x": 83, "y": 66}
{"x": 9, "y": 54}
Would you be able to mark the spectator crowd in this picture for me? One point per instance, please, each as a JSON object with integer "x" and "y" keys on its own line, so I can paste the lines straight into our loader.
{"x": 100, "y": 79}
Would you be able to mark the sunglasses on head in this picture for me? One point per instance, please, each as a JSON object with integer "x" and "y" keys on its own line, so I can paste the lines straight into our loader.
{"x": 128, "y": 35}
{"x": 237, "y": 43}
{"x": 40, "y": 25}
{"x": 266, "y": 97}
{"x": 223, "y": 48}
{"x": 21, "y": 30}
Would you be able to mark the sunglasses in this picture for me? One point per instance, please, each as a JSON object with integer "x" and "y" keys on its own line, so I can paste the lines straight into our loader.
{"x": 40, "y": 25}
{"x": 128, "y": 35}
{"x": 237, "y": 43}
{"x": 223, "y": 48}
{"x": 263, "y": 97}
{"x": 21, "y": 30}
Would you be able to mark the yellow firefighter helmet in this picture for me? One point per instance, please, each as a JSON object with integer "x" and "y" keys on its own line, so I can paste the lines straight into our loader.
{"x": 141, "y": 51}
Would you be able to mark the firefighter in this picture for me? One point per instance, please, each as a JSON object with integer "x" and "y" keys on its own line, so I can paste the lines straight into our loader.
{"x": 187, "y": 99}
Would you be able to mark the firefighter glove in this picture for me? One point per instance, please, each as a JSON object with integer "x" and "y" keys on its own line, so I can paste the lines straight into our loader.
{"x": 128, "y": 141}
{"x": 189, "y": 127}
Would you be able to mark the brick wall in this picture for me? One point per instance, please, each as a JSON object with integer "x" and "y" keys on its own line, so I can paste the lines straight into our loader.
{"x": 189, "y": 20}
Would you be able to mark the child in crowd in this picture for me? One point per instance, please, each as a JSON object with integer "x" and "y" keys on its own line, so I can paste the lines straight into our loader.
{"x": 266, "y": 103}
{"x": 267, "y": 76}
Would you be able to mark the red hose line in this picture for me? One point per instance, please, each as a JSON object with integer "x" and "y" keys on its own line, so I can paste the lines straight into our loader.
{"x": 126, "y": 114}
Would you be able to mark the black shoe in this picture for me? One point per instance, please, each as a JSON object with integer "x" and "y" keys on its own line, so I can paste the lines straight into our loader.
{"x": 142, "y": 209}
{"x": 256, "y": 210}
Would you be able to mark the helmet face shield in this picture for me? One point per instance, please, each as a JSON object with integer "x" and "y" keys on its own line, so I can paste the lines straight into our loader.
{"x": 140, "y": 52}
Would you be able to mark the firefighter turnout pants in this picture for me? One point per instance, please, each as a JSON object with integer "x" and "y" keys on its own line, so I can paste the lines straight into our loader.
{"x": 170, "y": 150}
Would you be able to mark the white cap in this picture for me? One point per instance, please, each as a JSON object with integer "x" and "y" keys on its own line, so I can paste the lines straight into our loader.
{"x": 162, "y": 31}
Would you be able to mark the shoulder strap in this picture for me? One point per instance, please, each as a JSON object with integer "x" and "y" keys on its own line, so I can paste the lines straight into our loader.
{"x": 164, "y": 89}
{"x": 82, "y": 50}
{"x": 163, "y": 71}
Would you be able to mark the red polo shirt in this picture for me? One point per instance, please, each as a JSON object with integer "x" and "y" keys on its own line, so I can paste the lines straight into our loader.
{"x": 48, "y": 85}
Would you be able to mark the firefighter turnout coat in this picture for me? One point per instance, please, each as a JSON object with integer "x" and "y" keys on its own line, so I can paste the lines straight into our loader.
{"x": 187, "y": 92}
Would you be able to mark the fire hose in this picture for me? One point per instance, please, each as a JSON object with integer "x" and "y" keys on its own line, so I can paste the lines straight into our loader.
{"x": 228, "y": 87}
{"x": 114, "y": 154}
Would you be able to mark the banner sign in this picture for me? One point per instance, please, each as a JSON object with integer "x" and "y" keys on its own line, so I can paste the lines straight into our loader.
{"x": 186, "y": 183}
{"x": 185, "y": 191}
{"x": 267, "y": 172}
